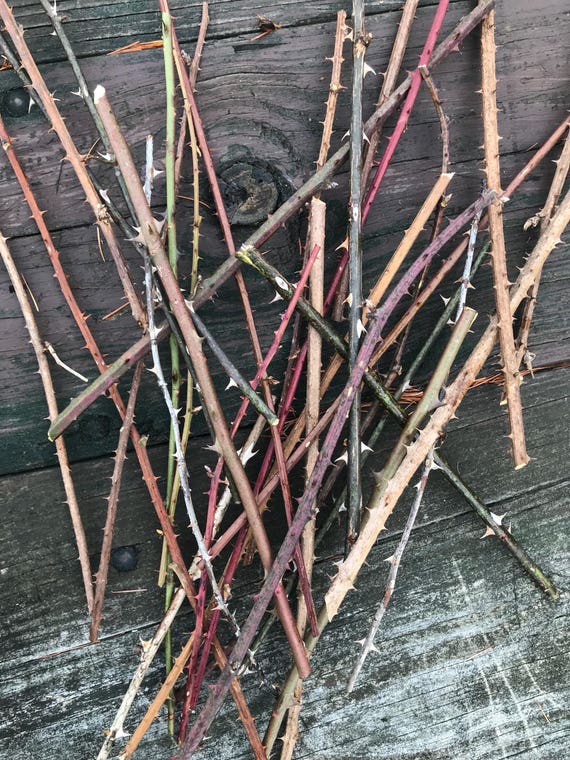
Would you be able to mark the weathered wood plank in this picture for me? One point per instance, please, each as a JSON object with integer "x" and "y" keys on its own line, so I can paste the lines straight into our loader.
{"x": 92, "y": 26}
{"x": 471, "y": 654}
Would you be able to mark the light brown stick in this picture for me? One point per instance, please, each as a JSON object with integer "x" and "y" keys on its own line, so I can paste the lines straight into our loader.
{"x": 60, "y": 447}
{"x": 544, "y": 216}
{"x": 316, "y": 284}
{"x": 113, "y": 503}
{"x": 498, "y": 252}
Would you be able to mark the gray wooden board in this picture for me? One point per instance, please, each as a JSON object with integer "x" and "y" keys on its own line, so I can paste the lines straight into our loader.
{"x": 275, "y": 117}
{"x": 473, "y": 660}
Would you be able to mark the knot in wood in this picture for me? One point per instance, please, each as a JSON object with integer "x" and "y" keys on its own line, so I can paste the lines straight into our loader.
{"x": 250, "y": 191}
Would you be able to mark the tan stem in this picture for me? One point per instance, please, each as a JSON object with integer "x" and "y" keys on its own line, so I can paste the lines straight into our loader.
{"x": 498, "y": 251}
{"x": 60, "y": 447}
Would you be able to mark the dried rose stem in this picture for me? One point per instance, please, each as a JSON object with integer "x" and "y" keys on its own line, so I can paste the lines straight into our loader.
{"x": 367, "y": 644}
{"x": 419, "y": 301}
{"x": 354, "y": 482}
{"x": 180, "y": 310}
{"x": 416, "y": 78}
{"x": 410, "y": 237}
{"x": 61, "y": 449}
{"x": 178, "y": 452}
{"x": 185, "y": 128}
{"x": 150, "y": 648}
{"x": 149, "y": 651}
{"x": 380, "y": 509}
{"x": 159, "y": 699}
{"x": 211, "y": 285}
{"x": 389, "y": 82}
{"x": 113, "y": 503}
{"x": 313, "y": 396}
{"x": 281, "y": 464}
{"x": 562, "y": 167}
{"x": 72, "y": 155}
{"x": 498, "y": 252}
{"x": 298, "y": 357}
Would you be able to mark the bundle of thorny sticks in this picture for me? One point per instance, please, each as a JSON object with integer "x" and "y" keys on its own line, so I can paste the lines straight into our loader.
{"x": 324, "y": 444}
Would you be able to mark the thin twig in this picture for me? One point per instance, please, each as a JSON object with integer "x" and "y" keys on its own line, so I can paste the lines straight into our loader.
{"x": 443, "y": 125}
{"x": 395, "y": 559}
{"x": 179, "y": 454}
{"x": 159, "y": 699}
{"x": 498, "y": 252}
{"x": 61, "y": 449}
{"x": 52, "y": 352}
{"x": 466, "y": 276}
{"x": 388, "y": 84}
{"x": 354, "y": 484}
{"x": 544, "y": 216}
{"x": 113, "y": 503}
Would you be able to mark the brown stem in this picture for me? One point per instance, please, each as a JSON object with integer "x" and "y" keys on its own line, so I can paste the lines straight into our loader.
{"x": 498, "y": 252}
{"x": 113, "y": 503}
{"x": 61, "y": 450}
{"x": 545, "y": 215}
{"x": 317, "y": 218}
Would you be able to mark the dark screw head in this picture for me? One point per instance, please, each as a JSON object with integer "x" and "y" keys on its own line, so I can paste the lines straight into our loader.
{"x": 16, "y": 102}
{"x": 125, "y": 558}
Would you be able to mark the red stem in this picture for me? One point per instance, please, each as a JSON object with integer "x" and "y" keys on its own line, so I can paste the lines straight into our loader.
{"x": 406, "y": 108}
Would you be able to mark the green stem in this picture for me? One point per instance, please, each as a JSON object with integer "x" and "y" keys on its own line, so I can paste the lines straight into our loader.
{"x": 171, "y": 493}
